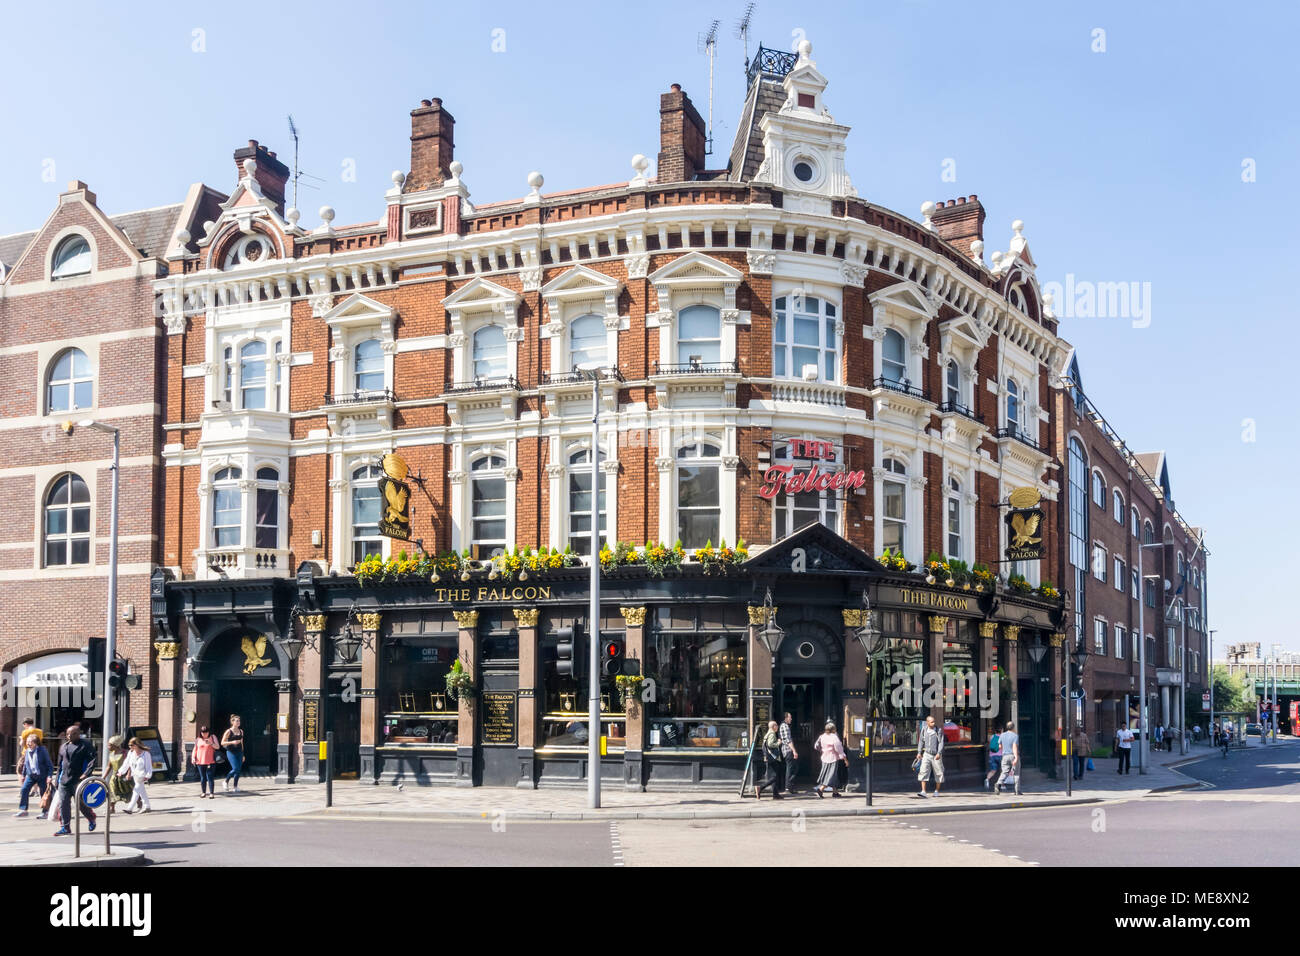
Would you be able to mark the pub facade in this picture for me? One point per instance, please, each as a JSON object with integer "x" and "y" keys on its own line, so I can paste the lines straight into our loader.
{"x": 380, "y": 456}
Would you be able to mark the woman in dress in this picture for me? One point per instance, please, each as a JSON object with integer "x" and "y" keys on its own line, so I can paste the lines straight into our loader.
{"x": 119, "y": 788}
{"x": 831, "y": 748}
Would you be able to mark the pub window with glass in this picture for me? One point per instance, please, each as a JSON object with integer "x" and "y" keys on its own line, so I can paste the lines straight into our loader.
{"x": 699, "y": 672}
{"x": 413, "y": 691}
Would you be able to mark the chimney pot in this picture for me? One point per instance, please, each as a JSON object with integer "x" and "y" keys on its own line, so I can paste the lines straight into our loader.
{"x": 681, "y": 137}
{"x": 960, "y": 221}
{"x": 425, "y": 103}
{"x": 269, "y": 173}
{"x": 676, "y": 87}
{"x": 432, "y": 145}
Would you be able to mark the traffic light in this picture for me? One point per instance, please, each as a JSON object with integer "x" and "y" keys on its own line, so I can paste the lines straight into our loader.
{"x": 570, "y": 653}
{"x": 95, "y": 651}
{"x": 611, "y": 657}
{"x": 117, "y": 673}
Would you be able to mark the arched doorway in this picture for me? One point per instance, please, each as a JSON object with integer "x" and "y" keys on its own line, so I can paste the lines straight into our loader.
{"x": 243, "y": 666}
{"x": 809, "y": 679}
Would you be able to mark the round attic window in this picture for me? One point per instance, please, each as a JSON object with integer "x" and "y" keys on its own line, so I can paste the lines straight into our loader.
{"x": 803, "y": 171}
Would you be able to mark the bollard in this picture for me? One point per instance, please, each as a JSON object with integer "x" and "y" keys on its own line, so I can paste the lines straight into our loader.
{"x": 329, "y": 770}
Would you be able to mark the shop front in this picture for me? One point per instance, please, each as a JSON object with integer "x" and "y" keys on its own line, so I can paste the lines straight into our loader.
{"x": 371, "y": 664}
{"x": 55, "y": 691}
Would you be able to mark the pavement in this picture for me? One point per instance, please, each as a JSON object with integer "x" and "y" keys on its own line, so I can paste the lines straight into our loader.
{"x": 177, "y": 805}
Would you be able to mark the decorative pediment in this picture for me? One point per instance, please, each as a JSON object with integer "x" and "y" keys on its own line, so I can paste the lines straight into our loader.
{"x": 814, "y": 549}
{"x": 907, "y": 296}
{"x": 696, "y": 271}
{"x": 581, "y": 284}
{"x": 481, "y": 295}
{"x": 964, "y": 329}
{"x": 360, "y": 311}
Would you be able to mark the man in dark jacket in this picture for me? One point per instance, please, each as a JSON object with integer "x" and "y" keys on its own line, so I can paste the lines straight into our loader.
{"x": 76, "y": 762}
{"x": 36, "y": 770}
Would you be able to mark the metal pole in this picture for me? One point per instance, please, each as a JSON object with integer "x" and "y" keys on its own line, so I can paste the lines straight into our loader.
{"x": 1142, "y": 666}
{"x": 593, "y": 660}
{"x": 110, "y": 653}
{"x": 329, "y": 770}
{"x": 1069, "y": 736}
{"x": 1212, "y": 687}
{"x": 1182, "y": 690}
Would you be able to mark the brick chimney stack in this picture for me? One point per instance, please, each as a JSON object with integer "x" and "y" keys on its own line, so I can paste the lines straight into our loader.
{"x": 960, "y": 221}
{"x": 271, "y": 174}
{"x": 681, "y": 137}
{"x": 432, "y": 145}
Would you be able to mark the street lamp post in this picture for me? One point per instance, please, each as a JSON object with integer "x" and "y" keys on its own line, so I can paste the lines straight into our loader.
{"x": 593, "y": 658}
{"x": 110, "y": 651}
{"x": 1211, "y": 663}
{"x": 872, "y": 643}
{"x": 1142, "y": 660}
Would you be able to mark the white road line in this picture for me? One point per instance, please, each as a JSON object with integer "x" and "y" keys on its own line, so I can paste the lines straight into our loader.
{"x": 616, "y": 843}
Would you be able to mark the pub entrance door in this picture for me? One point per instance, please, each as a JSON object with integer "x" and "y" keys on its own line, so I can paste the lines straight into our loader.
{"x": 811, "y": 676}
{"x": 344, "y": 718}
{"x": 256, "y": 703}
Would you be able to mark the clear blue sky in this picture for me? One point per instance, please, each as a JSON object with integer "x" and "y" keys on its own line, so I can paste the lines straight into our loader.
{"x": 1126, "y": 165}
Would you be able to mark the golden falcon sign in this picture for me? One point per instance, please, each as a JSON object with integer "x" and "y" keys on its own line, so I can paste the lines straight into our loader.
{"x": 395, "y": 499}
{"x": 1024, "y": 539}
{"x": 254, "y": 650}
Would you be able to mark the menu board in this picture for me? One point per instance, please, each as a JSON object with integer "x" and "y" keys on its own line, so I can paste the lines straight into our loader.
{"x": 500, "y": 717}
{"x": 311, "y": 720}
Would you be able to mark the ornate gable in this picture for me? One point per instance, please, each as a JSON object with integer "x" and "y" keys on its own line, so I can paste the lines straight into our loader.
{"x": 817, "y": 550}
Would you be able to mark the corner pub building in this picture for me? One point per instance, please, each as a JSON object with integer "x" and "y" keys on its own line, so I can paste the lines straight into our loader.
{"x": 792, "y": 366}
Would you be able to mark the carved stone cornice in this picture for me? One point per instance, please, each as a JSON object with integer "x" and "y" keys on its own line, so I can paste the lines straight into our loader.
{"x": 761, "y": 263}
{"x": 664, "y": 464}
{"x": 321, "y": 303}
{"x": 167, "y": 650}
{"x": 853, "y": 274}
{"x": 555, "y": 471}
{"x": 466, "y": 620}
{"x": 638, "y": 265}
{"x": 918, "y": 481}
{"x": 988, "y": 629}
{"x": 527, "y": 616}
{"x": 938, "y": 623}
{"x": 633, "y": 616}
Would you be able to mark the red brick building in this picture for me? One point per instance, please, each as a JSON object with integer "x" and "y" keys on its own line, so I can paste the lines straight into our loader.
{"x": 1134, "y": 566}
{"x": 752, "y": 312}
{"x": 79, "y": 340}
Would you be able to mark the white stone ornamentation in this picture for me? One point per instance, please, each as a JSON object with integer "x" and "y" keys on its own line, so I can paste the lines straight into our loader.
{"x": 761, "y": 263}
{"x": 638, "y": 265}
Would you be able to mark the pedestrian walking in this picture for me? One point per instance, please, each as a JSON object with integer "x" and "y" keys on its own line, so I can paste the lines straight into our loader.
{"x": 789, "y": 755}
{"x": 36, "y": 769}
{"x": 831, "y": 748}
{"x": 1158, "y": 734}
{"x": 139, "y": 765}
{"x": 1124, "y": 748}
{"x": 1082, "y": 748}
{"x": 29, "y": 730}
{"x": 233, "y": 743}
{"x": 929, "y": 755}
{"x": 203, "y": 758}
{"x": 772, "y": 761}
{"x": 1010, "y": 759}
{"x": 995, "y": 760}
{"x": 76, "y": 762}
{"x": 119, "y": 787}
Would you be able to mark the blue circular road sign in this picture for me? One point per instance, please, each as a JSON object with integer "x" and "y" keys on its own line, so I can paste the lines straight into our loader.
{"x": 94, "y": 795}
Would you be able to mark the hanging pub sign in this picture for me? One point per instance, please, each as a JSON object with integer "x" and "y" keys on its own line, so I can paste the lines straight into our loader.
{"x": 1024, "y": 524}
{"x": 395, "y": 499}
{"x": 792, "y": 479}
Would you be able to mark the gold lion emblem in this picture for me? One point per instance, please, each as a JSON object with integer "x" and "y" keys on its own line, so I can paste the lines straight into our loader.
{"x": 1023, "y": 529}
{"x": 253, "y": 651}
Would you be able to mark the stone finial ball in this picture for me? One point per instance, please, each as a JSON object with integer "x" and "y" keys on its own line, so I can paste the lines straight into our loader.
{"x": 327, "y": 213}
{"x": 398, "y": 177}
{"x": 805, "y": 48}
{"x": 927, "y": 209}
{"x": 640, "y": 163}
{"x": 456, "y": 168}
{"x": 535, "y": 180}
{"x": 1018, "y": 226}
{"x": 293, "y": 215}
{"x": 250, "y": 166}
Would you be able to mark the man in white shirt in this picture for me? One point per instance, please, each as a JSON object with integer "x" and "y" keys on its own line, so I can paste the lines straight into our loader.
{"x": 1124, "y": 747}
{"x": 1010, "y": 757}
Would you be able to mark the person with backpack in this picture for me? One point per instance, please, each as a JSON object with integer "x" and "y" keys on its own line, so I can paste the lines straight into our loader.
{"x": 773, "y": 762}
{"x": 995, "y": 760}
{"x": 1082, "y": 749}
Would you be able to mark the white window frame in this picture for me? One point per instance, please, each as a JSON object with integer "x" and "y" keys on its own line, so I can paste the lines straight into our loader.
{"x": 887, "y": 473}
{"x": 490, "y": 466}
{"x": 830, "y": 334}
{"x": 61, "y": 243}
{"x": 1119, "y": 642}
{"x": 1099, "y": 488}
{"x": 695, "y": 279}
{"x": 1100, "y": 557}
{"x": 1100, "y": 635}
{"x": 1117, "y": 504}
{"x": 68, "y": 536}
{"x": 1118, "y": 563}
{"x": 227, "y": 478}
{"x": 953, "y": 500}
{"x": 582, "y": 469}
{"x": 72, "y": 381}
{"x": 1136, "y": 522}
{"x": 363, "y": 475}
{"x": 279, "y": 487}
{"x": 573, "y": 295}
{"x": 701, "y": 458}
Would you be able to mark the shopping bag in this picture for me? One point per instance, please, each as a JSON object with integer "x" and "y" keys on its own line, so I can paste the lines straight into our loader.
{"x": 1089, "y": 764}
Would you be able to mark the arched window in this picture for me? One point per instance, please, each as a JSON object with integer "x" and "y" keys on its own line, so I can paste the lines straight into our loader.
{"x": 227, "y": 509}
{"x": 893, "y": 356}
{"x": 954, "y": 518}
{"x": 488, "y": 506}
{"x": 1098, "y": 489}
{"x": 1013, "y": 406}
{"x": 790, "y": 512}
{"x": 580, "y": 502}
{"x": 1148, "y": 533}
{"x": 1078, "y": 505}
{"x": 252, "y": 374}
{"x": 1136, "y": 521}
{"x": 366, "y": 539}
{"x": 894, "y": 497}
{"x": 1118, "y": 500}
{"x": 699, "y": 336}
{"x": 72, "y": 258}
{"x": 490, "y": 352}
{"x": 369, "y": 367}
{"x": 699, "y": 500}
{"x": 803, "y": 334}
{"x": 267, "y": 523}
{"x": 71, "y": 385}
{"x": 1179, "y": 564}
{"x": 952, "y": 383}
{"x": 588, "y": 342}
{"x": 67, "y": 522}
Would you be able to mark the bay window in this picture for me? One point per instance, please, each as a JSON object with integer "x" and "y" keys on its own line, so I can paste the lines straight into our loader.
{"x": 699, "y": 335}
{"x": 252, "y": 375}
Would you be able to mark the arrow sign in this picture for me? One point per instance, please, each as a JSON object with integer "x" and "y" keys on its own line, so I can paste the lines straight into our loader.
{"x": 94, "y": 795}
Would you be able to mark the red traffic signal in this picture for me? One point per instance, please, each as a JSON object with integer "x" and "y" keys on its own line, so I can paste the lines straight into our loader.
{"x": 612, "y": 654}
